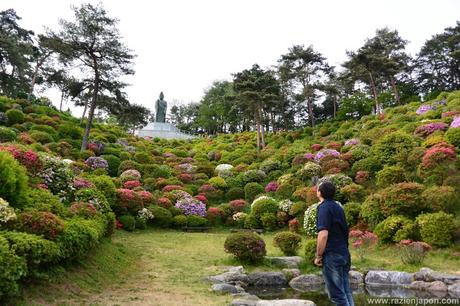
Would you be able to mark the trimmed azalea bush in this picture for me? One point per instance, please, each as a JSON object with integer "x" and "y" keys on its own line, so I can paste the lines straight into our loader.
{"x": 245, "y": 246}
{"x": 310, "y": 250}
{"x": 14, "y": 116}
{"x": 13, "y": 181}
{"x": 352, "y": 210}
{"x": 395, "y": 229}
{"x": 128, "y": 222}
{"x": 251, "y": 190}
{"x": 436, "y": 228}
{"x": 442, "y": 198}
{"x": 41, "y": 223}
{"x": 288, "y": 242}
{"x": 393, "y": 148}
{"x": 7, "y": 134}
{"x": 309, "y": 170}
{"x": 390, "y": 175}
{"x": 163, "y": 217}
{"x": 453, "y": 135}
{"x": 12, "y": 269}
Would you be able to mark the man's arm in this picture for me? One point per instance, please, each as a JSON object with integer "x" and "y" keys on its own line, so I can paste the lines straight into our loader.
{"x": 321, "y": 242}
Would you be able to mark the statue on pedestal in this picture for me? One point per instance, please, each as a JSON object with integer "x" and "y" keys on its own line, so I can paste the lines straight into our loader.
{"x": 160, "y": 109}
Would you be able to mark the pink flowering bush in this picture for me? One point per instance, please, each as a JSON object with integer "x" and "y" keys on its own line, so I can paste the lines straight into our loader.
{"x": 423, "y": 109}
{"x": 164, "y": 202}
{"x": 352, "y": 142}
{"x": 438, "y": 154}
{"x": 326, "y": 152}
{"x": 362, "y": 241}
{"x": 169, "y": 188}
{"x": 202, "y": 198}
{"x": 27, "y": 158}
{"x": 83, "y": 209}
{"x": 456, "y": 122}
{"x": 429, "y": 128}
{"x": 146, "y": 196}
{"x": 81, "y": 183}
{"x": 185, "y": 177}
{"x": 128, "y": 201}
{"x": 413, "y": 252}
{"x": 215, "y": 214}
{"x": 294, "y": 225}
{"x": 238, "y": 205}
{"x": 271, "y": 187}
{"x": 362, "y": 177}
{"x": 316, "y": 147}
{"x": 450, "y": 114}
{"x": 131, "y": 184}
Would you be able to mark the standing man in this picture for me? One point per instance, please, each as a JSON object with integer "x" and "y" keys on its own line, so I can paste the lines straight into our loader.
{"x": 332, "y": 246}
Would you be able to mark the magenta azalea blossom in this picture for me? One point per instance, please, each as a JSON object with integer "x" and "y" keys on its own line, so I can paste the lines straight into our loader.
{"x": 456, "y": 122}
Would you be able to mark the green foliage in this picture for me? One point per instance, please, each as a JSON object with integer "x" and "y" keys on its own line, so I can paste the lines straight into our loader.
{"x": 128, "y": 221}
{"x": 105, "y": 185}
{"x": 196, "y": 221}
{"x": 453, "y": 136}
{"x": 14, "y": 116}
{"x": 442, "y": 198}
{"x": 251, "y": 190}
{"x": 352, "y": 210}
{"x": 393, "y": 148}
{"x": 263, "y": 206}
{"x": 13, "y": 181}
{"x": 235, "y": 193}
{"x": 395, "y": 229}
{"x": 163, "y": 217}
{"x": 179, "y": 221}
{"x": 41, "y": 137}
{"x": 114, "y": 163}
{"x": 44, "y": 200}
{"x": 217, "y": 182}
{"x": 288, "y": 242}
{"x": 41, "y": 223}
{"x": 12, "y": 269}
{"x": 70, "y": 131}
{"x": 436, "y": 228}
{"x": 390, "y": 175}
{"x": 269, "y": 221}
{"x": 310, "y": 250}
{"x": 7, "y": 134}
{"x": 245, "y": 246}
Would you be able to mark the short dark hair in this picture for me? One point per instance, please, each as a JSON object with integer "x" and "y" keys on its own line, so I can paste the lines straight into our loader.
{"x": 327, "y": 190}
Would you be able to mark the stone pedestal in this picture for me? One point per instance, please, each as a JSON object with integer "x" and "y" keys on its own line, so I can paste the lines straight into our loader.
{"x": 162, "y": 130}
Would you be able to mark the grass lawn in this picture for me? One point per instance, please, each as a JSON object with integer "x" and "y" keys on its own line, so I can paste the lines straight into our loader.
{"x": 165, "y": 267}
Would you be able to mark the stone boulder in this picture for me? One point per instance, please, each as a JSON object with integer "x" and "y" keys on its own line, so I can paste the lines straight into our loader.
{"x": 306, "y": 282}
{"x": 454, "y": 290}
{"x": 224, "y": 288}
{"x": 391, "y": 278}
{"x": 428, "y": 275}
{"x": 428, "y": 286}
{"x": 229, "y": 278}
{"x": 285, "y": 261}
{"x": 286, "y": 302}
{"x": 267, "y": 279}
{"x": 355, "y": 277}
{"x": 291, "y": 273}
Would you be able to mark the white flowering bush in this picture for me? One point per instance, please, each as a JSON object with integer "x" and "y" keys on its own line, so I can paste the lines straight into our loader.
{"x": 57, "y": 175}
{"x": 262, "y": 198}
{"x": 309, "y": 171}
{"x": 285, "y": 205}
{"x": 239, "y": 216}
{"x": 309, "y": 223}
{"x": 145, "y": 214}
{"x": 223, "y": 167}
{"x": 6, "y": 212}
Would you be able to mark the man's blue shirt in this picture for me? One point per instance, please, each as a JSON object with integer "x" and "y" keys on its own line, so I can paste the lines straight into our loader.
{"x": 332, "y": 218}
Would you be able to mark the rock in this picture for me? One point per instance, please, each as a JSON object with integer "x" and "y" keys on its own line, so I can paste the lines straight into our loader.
{"x": 235, "y": 269}
{"x": 454, "y": 290}
{"x": 355, "y": 277}
{"x": 267, "y": 279}
{"x": 286, "y": 302}
{"x": 448, "y": 279}
{"x": 423, "y": 274}
{"x": 239, "y": 289}
{"x": 229, "y": 278}
{"x": 291, "y": 273}
{"x": 375, "y": 277}
{"x": 224, "y": 288}
{"x": 428, "y": 286}
{"x": 286, "y": 261}
{"x": 306, "y": 282}
{"x": 249, "y": 300}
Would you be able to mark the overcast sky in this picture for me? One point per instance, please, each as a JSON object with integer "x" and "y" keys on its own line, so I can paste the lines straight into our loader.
{"x": 182, "y": 46}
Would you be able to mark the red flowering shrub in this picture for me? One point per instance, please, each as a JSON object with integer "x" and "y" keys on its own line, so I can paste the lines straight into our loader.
{"x": 362, "y": 241}
{"x": 294, "y": 225}
{"x": 28, "y": 159}
{"x": 25, "y": 138}
{"x": 131, "y": 184}
{"x": 441, "y": 153}
{"x": 413, "y": 252}
{"x": 185, "y": 177}
{"x": 164, "y": 202}
{"x": 334, "y": 145}
{"x": 146, "y": 196}
{"x": 215, "y": 214}
{"x": 202, "y": 198}
{"x": 118, "y": 224}
{"x": 238, "y": 205}
{"x": 169, "y": 188}
{"x": 316, "y": 147}
{"x": 83, "y": 209}
{"x": 362, "y": 177}
{"x": 128, "y": 201}
{"x": 40, "y": 223}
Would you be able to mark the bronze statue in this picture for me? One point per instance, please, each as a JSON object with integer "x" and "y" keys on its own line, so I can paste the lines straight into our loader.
{"x": 160, "y": 109}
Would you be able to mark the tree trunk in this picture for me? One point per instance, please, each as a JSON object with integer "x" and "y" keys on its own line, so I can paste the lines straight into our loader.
{"x": 262, "y": 132}
{"x": 310, "y": 111}
{"x": 92, "y": 108}
{"x": 84, "y": 112}
{"x": 62, "y": 98}
{"x": 258, "y": 132}
{"x": 374, "y": 92}
{"x": 334, "y": 103}
{"x": 395, "y": 90}
{"x": 34, "y": 80}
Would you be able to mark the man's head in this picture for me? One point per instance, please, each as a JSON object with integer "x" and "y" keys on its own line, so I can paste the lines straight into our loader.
{"x": 325, "y": 191}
